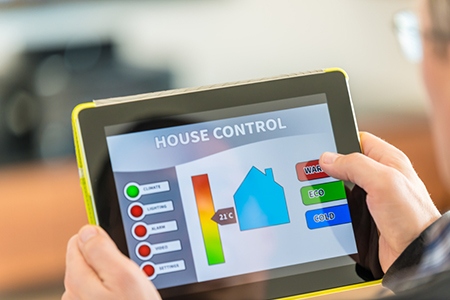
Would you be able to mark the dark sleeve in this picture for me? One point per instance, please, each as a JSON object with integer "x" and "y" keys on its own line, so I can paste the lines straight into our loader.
{"x": 406, "y": 264}
{"x": 366, "y": 234}
{"x": 408, "y": 260}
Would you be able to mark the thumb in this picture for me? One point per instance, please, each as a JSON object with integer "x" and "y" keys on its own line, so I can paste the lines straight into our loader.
{"x": 354, "y": 167}
{"x": 102, "y": 255}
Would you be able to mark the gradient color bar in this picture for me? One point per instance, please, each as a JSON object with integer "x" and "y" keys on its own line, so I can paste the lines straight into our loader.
{"x": 210, "y": 229}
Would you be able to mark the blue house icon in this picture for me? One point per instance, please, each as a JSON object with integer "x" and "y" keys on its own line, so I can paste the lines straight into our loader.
{"x": 260, "y": 201}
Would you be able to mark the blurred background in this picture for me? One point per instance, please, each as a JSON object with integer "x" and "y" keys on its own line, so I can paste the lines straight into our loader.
{"x": 55, "y": 54}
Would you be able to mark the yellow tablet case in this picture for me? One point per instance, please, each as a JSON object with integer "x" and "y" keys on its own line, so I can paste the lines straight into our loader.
{"x": 87, "y": 190}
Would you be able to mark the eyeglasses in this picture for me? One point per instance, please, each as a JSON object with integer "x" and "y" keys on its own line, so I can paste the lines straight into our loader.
{"x": 406, "y": 26}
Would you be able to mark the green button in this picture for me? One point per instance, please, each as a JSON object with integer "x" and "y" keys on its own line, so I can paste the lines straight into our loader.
{"x": 132, "y": 191}
{"x": 321, "y": 193}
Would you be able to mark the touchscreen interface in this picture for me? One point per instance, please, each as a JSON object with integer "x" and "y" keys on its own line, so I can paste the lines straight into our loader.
{"x": 231, "y": 192}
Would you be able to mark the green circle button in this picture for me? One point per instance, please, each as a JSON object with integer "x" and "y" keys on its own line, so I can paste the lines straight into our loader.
{"x": 132, "y": 191}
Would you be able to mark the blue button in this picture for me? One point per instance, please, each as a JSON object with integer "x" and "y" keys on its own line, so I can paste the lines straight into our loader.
{"x": 328, "y": 216}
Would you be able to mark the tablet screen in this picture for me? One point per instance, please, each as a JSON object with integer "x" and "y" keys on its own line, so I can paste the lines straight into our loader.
{"x": 234, "y": 193}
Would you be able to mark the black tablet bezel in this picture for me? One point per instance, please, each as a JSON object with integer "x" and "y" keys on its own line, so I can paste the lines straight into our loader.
{"x": 92, "y": 123}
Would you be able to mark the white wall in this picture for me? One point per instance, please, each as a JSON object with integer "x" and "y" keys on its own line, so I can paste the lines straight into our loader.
{"x": 209, "y": 42}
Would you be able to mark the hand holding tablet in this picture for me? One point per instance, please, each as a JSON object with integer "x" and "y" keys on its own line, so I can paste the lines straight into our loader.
{"x": 220, "y": 187}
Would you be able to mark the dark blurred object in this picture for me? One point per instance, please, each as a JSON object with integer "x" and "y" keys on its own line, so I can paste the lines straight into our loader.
{"x": 37, "y": 99}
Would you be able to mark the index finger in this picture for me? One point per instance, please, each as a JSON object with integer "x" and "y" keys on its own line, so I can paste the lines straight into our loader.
{"x": 385, "y": 153}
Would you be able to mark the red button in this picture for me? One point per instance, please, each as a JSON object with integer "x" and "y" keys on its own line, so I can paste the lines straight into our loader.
{"x": 140, "y": 230}
{"x": 136, "y": 211}
{"x": 144, "y": 250}
{"x": 149, "y": 270}
{"x": 309, "y": 170}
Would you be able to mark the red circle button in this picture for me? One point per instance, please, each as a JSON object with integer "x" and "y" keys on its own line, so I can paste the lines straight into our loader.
{"x": 140, "y": 230}
{"x": 144, "y": 250}
{"x": 136, "y": 211}
{"x": 149, "y": 270}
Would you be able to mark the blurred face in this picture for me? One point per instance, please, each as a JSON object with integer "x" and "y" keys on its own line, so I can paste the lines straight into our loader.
{"x": 436, "y": 75}
{"x": 435, "y": 67}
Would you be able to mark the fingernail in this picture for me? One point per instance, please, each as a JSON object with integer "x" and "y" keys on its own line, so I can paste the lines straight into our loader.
{"x": 329, "y": 157}
{"x": 87, "y": 232}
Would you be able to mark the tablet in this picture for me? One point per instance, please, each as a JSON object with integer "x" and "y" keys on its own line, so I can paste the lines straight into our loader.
{"x": 216, "y": 192}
